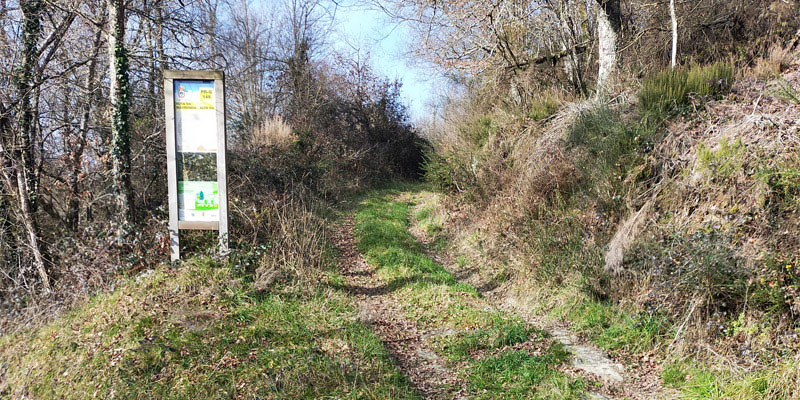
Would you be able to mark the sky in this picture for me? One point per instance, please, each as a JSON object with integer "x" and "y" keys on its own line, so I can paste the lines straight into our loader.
{"x": 371, "y": 32}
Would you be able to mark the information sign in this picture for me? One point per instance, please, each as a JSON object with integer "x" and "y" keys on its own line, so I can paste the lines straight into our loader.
{"x": 195, "y": 124}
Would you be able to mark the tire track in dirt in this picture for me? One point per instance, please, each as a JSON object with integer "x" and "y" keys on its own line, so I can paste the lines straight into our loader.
{"x": 428, "y": 373}
{"x": 590, "y": 361}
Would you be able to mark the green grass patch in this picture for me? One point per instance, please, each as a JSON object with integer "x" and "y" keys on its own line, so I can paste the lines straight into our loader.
{"x": 199, "y": 332}
{"x": 614, "y": 329}
{"x": 672, "y": 91}
{"x": 723, "y": 162}
{"x": 462, "y": 345}
{"x": 521, "y": 375}
{"x": 700, "y": 381}
{"x": 482, "y": 338}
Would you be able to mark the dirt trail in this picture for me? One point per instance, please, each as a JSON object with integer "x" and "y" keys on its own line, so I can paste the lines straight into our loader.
{"x": 588, "y": 360}
{"x": 641, "y": 382}
{"x": 428, "y": 373}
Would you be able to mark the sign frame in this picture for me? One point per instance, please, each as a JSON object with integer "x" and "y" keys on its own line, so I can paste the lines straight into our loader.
{"x": 175, "y": 225}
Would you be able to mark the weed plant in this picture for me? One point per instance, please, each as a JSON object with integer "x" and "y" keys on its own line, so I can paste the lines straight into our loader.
{"x": 724, "y": 162}
{"x": 788, "y": 92}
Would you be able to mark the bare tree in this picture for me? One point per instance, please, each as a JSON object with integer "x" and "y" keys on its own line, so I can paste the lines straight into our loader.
{"x": 77, "y": 143}
{"x": 23, "y": 151}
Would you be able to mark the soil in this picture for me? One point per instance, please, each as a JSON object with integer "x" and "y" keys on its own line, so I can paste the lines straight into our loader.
{"x": 428, "y": 373}
{"x": 613, "y": 379}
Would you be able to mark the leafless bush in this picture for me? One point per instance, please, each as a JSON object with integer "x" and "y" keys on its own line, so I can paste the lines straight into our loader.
{"x": 297, "y": 244}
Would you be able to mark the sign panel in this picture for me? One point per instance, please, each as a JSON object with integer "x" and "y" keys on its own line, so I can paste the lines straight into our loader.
{"x": 195, "y": 116}
{"x": 194, "y": 109}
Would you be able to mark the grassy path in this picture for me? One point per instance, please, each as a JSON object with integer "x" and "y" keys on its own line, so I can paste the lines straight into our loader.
{"x": 490, "y": 354}
{"x": 427, "y": 372}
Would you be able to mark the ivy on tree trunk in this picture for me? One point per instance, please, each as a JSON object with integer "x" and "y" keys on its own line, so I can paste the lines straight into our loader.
{"x": 24, "y": 152}
{"x": 120, "y": 128}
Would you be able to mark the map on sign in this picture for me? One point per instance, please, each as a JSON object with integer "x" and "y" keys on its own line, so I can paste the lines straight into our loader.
{"x": 198, "y": 201}
{"x": 195, "y": 116}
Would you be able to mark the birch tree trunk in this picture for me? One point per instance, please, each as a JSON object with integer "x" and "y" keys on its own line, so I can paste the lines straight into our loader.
{"x": 119, "y": 94}
{"x": 674, "y": 33}
{"x": 608, "y": 26}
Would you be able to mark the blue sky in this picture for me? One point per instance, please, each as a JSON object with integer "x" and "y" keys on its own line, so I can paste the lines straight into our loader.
{"x": 386, "y": 42}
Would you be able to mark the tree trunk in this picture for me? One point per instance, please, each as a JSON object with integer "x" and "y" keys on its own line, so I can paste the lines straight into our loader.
{"x": 674, "y": 20}
{"x": 32, "y": 231}
{"x": 77, "y": 148}
{"x": 5, "y": 195}
{"x": 608, "y": 27}
{"x": 119, "y": 95}
{"x": 24, "y": 154}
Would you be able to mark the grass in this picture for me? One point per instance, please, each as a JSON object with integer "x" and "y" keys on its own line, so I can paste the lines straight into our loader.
{"x": 621, "y": 331}
{"x": 611, "y": 153}
{"x": 698, "y": 381}
{"x": 544, "y": 107}
{"x": 723, "y": 162}
{"x": 614, "y": 329}
{"x": 200, "y": 332}
{"x": 672, "y": 91}
{"x": 514, "y": 373}
{"x": 498, "y": 354}
{"x": 787, "y": 91}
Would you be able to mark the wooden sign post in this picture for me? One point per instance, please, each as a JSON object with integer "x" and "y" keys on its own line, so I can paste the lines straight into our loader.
{"x": 194, "y": 110}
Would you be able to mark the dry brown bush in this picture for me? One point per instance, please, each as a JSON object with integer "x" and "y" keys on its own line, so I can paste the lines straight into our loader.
{"x": 274, "y": 131}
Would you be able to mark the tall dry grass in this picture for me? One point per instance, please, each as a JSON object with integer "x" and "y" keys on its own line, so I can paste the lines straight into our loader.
{"x": 776, "y": 61}
{"x": 274, "y": 131}
{"x": 297, "y": 243}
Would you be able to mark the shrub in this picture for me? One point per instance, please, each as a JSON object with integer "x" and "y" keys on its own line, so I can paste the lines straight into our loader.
{"x": 609, "y": 149}
{"x": 685, "y": 266}
{"x": 776, "y": 291}
{"x": 783, "y": 181}
{"x": 479, "y": 131}
{"x": 603, "y": 133}
{"x": 669, "y": 92}
{"x": 447, "y": 171}
{"x": 543, "y": 107}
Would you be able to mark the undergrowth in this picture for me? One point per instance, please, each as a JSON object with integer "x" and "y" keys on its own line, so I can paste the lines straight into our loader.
{"x": 788, "y": 92}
